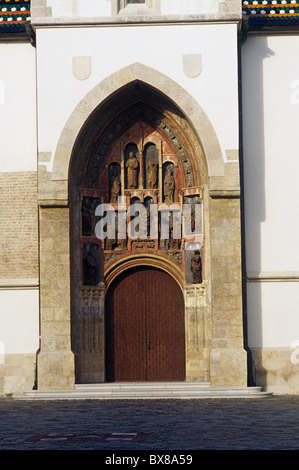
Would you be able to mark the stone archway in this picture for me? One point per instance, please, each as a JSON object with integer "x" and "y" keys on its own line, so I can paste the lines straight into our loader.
{"x": 141, "y": 122}
{"x": 214, "y": 332}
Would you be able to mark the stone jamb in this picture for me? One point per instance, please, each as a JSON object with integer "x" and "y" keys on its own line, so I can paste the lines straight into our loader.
{"x": 55, "y": 359}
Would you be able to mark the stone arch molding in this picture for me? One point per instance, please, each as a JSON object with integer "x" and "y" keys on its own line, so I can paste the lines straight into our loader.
{"x": 146, "y": 259}
{"x": 187, "y": 104}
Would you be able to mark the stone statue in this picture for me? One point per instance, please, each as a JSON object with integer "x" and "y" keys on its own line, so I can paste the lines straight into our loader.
{"x": 151, "y": 169}
{"x": 174, "y": 243}
{"x": 86, "y": 219}
{"x": 196, "y": 267}
{"x": 132, "y": 167}
{"x": 92, "y": 214}
{"x": 115, "y": 187}
{"x": 169, "y": 186}
{"x": 91, "y": 270}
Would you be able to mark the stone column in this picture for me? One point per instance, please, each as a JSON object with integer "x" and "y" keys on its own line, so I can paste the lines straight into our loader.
{"x": 228, "y": 360}
{"x": 55, "y": 366}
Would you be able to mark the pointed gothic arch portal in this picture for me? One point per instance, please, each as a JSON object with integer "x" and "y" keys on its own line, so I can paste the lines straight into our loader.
{"x": 140, "y": 147}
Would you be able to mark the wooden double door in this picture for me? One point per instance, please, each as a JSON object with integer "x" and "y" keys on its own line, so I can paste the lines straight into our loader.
{"x": 145, "y": 327}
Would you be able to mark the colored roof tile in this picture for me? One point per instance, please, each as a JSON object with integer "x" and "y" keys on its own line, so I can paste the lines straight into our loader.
{"x": 13, "y": 16}
{"x": 271, "y": 12}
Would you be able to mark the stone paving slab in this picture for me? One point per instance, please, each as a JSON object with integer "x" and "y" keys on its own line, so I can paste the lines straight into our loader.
{"x": 150, "y": 425}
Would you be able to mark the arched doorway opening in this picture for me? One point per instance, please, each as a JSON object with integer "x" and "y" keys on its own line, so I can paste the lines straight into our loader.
{"x": 144, "y": 327}
{"x": 140, "y": 148}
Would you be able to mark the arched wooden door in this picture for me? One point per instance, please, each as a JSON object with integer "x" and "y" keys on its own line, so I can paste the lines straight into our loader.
{"x": 145, "y": 328}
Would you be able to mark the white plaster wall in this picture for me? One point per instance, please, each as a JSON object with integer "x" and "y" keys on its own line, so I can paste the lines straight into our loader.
{"x": 273, "y": 314}
{"x": 159, "y": 47}
{"x": 99, "y": 8}
{"x": 271, "y": 164}
{"x": 183, "y": 7}
{"x": 17, "y": 107}
{"x": 80, "y": 8}
{"x": 19, "y": 321}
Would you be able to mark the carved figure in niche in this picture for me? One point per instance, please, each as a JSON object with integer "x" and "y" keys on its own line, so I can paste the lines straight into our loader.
{"x": 86, "y": 219}
{"x": 141, "y": 228}
{"x": 120, "y": 243}
{"x": 109, "y": 243}
{"x": 192, "y": 218}
{"x": 147, "y": 203}
{"x": 91, "y": 264}
{"x": 196, "y": 267}
{"x": 132, "y": 167}
{"x": 174, "y": 243}
{"x": 152, "y": 169}
{"x": 164, "y": 242}
{"x": 169, "y": 186}
{"x": 91, "y": 270}
{"x": 89, "y": 218}
{"x": 115, "y": 187}
{"x": 92, "y": 214}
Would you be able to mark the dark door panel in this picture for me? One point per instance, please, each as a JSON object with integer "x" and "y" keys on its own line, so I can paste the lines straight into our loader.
{"x": 145, "y": 337}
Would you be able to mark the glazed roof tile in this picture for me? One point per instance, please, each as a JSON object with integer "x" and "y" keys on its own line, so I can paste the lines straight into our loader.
{"x": 271, "y": 12}
{"x": 13, "y": 16}
{"x": 15, "y": 13}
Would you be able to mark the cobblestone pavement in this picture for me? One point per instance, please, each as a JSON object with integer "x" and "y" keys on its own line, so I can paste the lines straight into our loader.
{"x": 226, "y": 424}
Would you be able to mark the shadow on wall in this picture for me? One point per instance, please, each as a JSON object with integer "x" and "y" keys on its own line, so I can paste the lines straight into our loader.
{"x": 254, "y": 51}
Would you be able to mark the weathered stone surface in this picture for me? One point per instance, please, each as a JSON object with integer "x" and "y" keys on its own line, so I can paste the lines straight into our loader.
{"x": 55, "y": 360}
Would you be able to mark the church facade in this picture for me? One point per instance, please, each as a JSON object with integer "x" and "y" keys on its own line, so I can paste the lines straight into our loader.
{"x": 148, "y": 194}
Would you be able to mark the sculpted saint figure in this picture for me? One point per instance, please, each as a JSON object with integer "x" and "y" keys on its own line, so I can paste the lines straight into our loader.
{"x": 115, "y": 187}
{"x": 196, "y": 267}
{"x": 91, "y": 270}
{"x": 168, "y": 186}
{"x": 86, "y": 220}
{"x": 151, "y": 169}
{"x": 132, "y": 166}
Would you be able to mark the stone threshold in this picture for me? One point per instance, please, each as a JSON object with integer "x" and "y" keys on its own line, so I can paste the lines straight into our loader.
{"x": 144, "y": 391}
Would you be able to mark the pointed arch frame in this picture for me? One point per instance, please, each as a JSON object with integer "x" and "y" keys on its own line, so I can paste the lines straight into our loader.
{"x": 101, "y": 92}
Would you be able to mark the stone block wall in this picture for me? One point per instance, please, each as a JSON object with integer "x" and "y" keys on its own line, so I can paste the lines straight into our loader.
{"x": 17, "y": 373}
{"x": 276, "y": 369}
{"x": 228, "y": 357}
{"x": 56, "y": 361}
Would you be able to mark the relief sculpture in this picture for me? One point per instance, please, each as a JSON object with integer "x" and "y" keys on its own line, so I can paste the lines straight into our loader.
{"x": 91, "y": 270}
{"x": 196, "y": 267}
{"x": 152, "y": 169}
{"x": 115, "y": 187}
{"x": 91, "y": 264}
{"x": 132, "y": 171}
{"x": 88, "y": 216}
{"x": 174, "y": 241}
{"x": 169, "y": 186}
{"x": 86, "y": 220}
